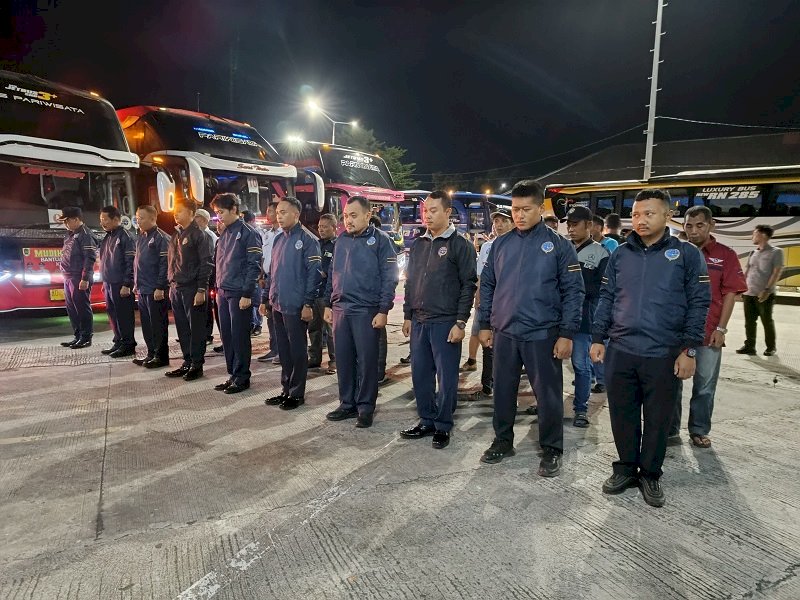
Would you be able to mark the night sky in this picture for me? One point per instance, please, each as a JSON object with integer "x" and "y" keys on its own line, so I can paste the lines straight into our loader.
{"x": 464, "y": 86}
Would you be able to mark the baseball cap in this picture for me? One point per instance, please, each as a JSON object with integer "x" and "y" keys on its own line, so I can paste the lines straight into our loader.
{"x": 202, "y": 212}
{"x": 69, "y": 212}
{"x": 578, "y": 213}
{"x": 501, "y": 211}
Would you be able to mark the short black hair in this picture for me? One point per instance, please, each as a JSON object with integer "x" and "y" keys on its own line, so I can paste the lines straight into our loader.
{"x": 187, "y": 203}
{"x": 528, "y": 188}
{"x": 598, "y": 220}
{"x": 112, "y": 211}
{"x": 375, "y": 221}
{"x": 613, "y": 221}
{"x": 248, "y": 216}
{"x": 360, "y": 200}
{"x": 442, "y": 197}
{"x": 696, "y": 211}
{"x": 329, "y": 217}
{"x": 294, "y": 202}
{"x": 766, "y": 230}
{"x": 655, "y": 194}
{"x": 226, "y": 201}
{"x": 550, "y": 219}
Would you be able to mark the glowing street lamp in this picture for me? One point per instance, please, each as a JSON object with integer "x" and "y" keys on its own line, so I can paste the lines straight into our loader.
{"x": 316, "y": 108}
{"x": 502, "y": 186}
{"x": 294, "y": 138}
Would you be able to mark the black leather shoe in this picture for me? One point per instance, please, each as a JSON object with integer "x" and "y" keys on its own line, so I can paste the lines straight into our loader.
{"x": 364, "y": 421}
{"x": 619, "y": 482}
{"x": 221, "y": 387}
{"x": 111, "y": 350}
{"x": 193, "y": 373}
{"x": 384, "y": 380}
{"x": 267, "y": 357}
{"x": 532, "y": 410}
{"x": 406, "y": 360}
{"x": 598, "y": 388}
{"x": 69, "y": 343}
{"x": 179, "y": 372}
{"x": 139, "y": 362}
{"x": 417, "y": 431}
{"x": 218, "y": 349}
{"x": 81, "y": 344}
{"x": 770, "y": 352}
{"x": 746, "y": 350}
{"x": 497, "y": 452}
{"x": 155, "y": 363}
{"x": 651, "y": 491}
{"x": 291, "y": 402}
{"x": 340, "y": 414}
{"x": 440, "y": 439}
{"x": 123, "y": 352}
{"x": 235, "y": 388}
{"x": 487, "y": 391}
{"x": 275, "y": 400}
{"x": 550, "y": 465}
{"x": 315, "y": 365}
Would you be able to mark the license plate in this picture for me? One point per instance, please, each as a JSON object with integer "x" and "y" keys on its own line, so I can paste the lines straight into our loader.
{"x": 56, "y": 295}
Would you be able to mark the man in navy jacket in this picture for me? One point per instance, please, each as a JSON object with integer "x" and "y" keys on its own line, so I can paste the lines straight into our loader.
{"x": 359, "y": 294}
{"x": 77, "y": 264}
{"x": 238, "y": 265}
{"x": 117, "y": 252}
{"x": 531, "y": 300}
{"x": 290, "y": 289}
{"x": 653, "y": 304}
{"x": 150, "y": 279}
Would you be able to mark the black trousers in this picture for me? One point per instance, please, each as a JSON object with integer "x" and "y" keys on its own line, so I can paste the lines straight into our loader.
{"x": 190, "y": 321}
{"x": 488, "y": 365}
{"x": 383, "y": 350}
{"x": 753, "y": 311}
{"x": 79, "y": 307}
{"x": 356, "y": 343}
{"x": 547, "y": 381}
{"x": 318, "y": 332}
{"x": 291, "y": 336}
{"x": 120, "y": 315}
{"x": 155, "y": 319}
{"x": 235, "y": 333}
{"x": 640, "y": 389}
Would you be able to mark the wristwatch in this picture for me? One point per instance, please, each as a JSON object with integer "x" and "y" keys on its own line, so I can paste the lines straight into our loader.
{"x": 690, "y": 352}
{"x": 722, "y": 330}
{"x": 461, "y": 325}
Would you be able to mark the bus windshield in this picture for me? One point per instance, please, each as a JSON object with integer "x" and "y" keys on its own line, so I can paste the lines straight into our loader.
{"x": 356, "y": 168}
{"x": 35, "y": 108}
{"x": 173, "y": 130}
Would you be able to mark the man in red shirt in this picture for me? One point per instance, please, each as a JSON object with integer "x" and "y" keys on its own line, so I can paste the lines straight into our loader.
{"x": 727, "y": 282}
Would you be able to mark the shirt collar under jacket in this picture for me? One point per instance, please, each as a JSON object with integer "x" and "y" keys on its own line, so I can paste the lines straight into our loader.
{"x": 635, "y": 239}
{"x": 444, "y": 235}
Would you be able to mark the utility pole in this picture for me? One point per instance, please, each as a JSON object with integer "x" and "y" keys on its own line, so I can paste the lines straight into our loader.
{"x": 651, "y": 118}
{"x": 198, "y": 101}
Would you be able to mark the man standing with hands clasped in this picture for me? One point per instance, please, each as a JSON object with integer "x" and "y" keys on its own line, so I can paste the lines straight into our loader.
{"x": 359, "y": 294}
{"x": 440, "y": 285}
{"x": 531, "y": 302}
{"x": 653, "y": 304}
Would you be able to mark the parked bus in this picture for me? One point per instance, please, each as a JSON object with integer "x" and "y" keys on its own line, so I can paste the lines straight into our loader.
{"x": 186, "y": 154}
{"x": 739, "y": 199}
{"x": 471, "y": 213}
{"x": 346, "y": 173}
{"x": 58, "y": 147}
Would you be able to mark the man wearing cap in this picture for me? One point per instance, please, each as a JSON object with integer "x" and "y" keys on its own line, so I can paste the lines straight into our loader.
{"x": 189, "y": 271}
{"x": 238, "y": 264}
{"x": 531, "y": 301}
{"x": 117, "y": 253}
{"x": 150, "y": 278}
{"x": 78, "y": 256}
{"x": 202, "y": 217}
{"x": 501, "y": 224}
{"x": 290, "y": 289}
{"x": 440, "y": 288}
{"x": 593, "y": 258}
{"x": 653, "y": 303}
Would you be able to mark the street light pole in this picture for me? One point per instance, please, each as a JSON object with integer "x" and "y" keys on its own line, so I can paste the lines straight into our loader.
{"x": 316, "y": 108}
{"x": 651, "y": 119}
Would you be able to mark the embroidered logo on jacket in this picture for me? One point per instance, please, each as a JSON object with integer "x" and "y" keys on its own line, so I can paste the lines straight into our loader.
{"x": 371, "y": 241}
{"x": 672, "y": 253}
{"x": 442, "y": 251}
{"x": 547, "y": 247}
{"x": 298, "y": 245}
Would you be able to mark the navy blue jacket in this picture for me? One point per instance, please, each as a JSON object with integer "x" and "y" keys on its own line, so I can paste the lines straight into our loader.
{"x": 531, "y": 286}
{"x": 79, "y": 254}
{"x": 117, "y": 252}
{"x": 363, "y": 273}
{"x": 190, "y": 261}
{"x": 654, "y": 299}
{"x": 441, "y": 278}
{"x": 293, "y": 278}
{"x": 238, "y": 259}
{"x": 150, "y": 265}
{"x": 326, "y": 248}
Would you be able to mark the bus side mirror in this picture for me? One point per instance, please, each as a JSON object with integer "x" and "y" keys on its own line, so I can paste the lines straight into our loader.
{"x": 319, "y": 190}
{"x": 196, "y": 182}
{"x": 166, "y": 191}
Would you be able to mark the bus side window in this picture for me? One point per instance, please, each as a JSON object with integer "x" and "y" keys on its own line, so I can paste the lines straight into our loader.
{"x": 785, "y": 200}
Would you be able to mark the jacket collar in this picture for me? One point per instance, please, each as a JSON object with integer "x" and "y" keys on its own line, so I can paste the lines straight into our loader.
{"x": 636, "y": 240}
